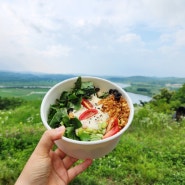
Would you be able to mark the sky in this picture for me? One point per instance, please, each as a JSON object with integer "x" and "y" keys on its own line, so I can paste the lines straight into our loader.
{"x": 93, "y": 37}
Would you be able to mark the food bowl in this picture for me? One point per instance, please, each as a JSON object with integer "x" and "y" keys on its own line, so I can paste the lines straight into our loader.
{"x": 84, "y": 149}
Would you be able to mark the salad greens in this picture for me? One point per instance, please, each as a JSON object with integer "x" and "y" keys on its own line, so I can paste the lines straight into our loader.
{"x": 58, "y": 112}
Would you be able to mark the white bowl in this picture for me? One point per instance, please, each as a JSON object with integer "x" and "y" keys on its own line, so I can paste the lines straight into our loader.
{"x": 84, "y": 149}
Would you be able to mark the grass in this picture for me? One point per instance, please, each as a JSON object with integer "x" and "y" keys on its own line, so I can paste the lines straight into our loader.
{"x": 150, "y": 152}
{"x": 142, "y": 157}
{"x": 21, "y": 129}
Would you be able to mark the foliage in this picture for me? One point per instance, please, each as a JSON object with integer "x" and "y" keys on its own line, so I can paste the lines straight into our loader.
{"x": 164, "y": 95}
{"x": 180, "y": 96}
{"x": 167, "y": 101}
{"x": 9, "y": 103}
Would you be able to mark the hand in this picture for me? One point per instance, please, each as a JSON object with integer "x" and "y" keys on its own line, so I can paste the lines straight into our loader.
{"x": 47, "y": 167}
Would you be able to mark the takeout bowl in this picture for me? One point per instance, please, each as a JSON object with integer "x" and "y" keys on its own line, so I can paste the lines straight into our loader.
{"x": 84, "y": 149}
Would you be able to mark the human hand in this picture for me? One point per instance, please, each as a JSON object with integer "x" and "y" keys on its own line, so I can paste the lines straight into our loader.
{"x": 46, "y": 167}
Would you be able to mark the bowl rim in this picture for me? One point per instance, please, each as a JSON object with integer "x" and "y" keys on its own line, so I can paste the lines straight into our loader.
{"x": 118, "y": 134}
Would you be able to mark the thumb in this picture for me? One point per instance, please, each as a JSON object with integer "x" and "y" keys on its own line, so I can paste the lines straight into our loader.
{"x": 47, "y": 140}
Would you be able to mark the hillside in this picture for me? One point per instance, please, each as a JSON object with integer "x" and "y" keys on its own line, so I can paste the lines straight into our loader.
{"x": 13, "y": 78}
{"x": 150, "y": 152}
{"x": 148, "y": 86}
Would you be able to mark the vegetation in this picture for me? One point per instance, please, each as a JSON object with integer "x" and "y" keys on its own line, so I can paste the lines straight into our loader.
{"x": 151, "y": 152}
{"x": 144, "y": 89}
{"x": 25, "y": 93}
{"x": 9, "y": 103}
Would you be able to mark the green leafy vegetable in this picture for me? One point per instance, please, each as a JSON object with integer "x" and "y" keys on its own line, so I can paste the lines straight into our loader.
{"x": 70, "y": 99}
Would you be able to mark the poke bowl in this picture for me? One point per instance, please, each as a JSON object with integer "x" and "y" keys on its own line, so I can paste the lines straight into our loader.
{"x": 95, "y": 112}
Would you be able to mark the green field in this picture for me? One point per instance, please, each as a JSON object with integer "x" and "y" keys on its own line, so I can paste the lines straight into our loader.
{"x": 26, "y": 93}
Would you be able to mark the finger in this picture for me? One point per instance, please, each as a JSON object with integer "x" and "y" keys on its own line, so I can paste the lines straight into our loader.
{"x": 73, "y": 172}
{"x": 47, "y": 140}
{"x": 69, "y": 161}
{"x": 60, "y": 153}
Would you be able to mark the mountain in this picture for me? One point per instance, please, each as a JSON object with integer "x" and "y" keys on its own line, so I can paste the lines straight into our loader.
{"x": 27, "y": 77}
{"x": 7, "y": 77}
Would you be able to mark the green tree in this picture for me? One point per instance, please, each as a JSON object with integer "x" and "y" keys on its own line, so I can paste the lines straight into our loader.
{"x": 9, "y": 103}
{"x": 179, "y": 96}
{"x": 161, "y": 101}
{"x": 167, "y": 101}
{"x": 164, "y": 95}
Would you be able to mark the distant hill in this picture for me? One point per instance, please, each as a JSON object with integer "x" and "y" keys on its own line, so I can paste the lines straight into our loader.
{"x": 27, "y": 77}
{"x": 145, "y": 79}
{"x": 12, "y": 78}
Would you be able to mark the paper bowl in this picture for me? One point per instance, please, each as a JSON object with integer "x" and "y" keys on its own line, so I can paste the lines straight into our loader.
{"x": 84, "y": 149}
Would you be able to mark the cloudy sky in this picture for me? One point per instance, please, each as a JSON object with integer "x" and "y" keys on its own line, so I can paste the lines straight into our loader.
{"x": 94, "y": 37}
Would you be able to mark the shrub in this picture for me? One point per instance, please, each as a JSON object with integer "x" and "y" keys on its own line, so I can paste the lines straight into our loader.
{"x": 10, "y": 103}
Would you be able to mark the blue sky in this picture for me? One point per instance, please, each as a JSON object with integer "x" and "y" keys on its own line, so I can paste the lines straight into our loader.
{"x": 99, "y": 37}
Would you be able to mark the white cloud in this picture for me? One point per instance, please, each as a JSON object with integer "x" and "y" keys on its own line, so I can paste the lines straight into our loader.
{"x": 164, "y": 13}
{"x": 129, "y": 38}
{"x": 180, "y": 38}
{"x": 64, "y": 36}
{"x": 55, "y": 51}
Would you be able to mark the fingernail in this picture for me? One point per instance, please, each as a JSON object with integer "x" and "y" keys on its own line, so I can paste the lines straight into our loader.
{"x": 60, "y": 129}
{"x": 89, "y": 161}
